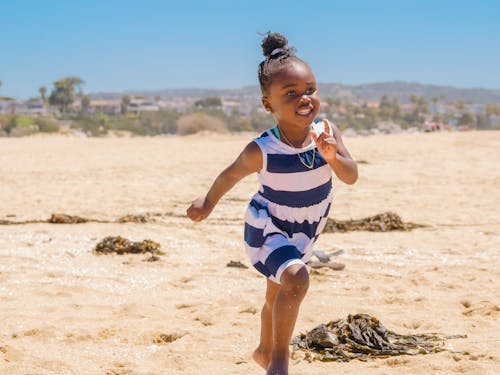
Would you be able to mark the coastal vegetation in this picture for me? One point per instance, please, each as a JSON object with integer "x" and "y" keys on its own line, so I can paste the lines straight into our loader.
{"x": 68, "y": 109}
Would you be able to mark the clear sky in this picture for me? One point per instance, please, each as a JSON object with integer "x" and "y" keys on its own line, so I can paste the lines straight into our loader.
{"x": 116, "y": 45}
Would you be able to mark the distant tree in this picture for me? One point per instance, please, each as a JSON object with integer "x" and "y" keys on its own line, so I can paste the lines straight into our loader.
{"x": 1, "y": 83}
{"x": 385, "y": 108}
{"x": 492, "y": 109}
{"x": 42, "y": 90}
{"x": 261, "y": 120}
{"x": 396, "y": 109}
{"x": 157, "y": 98}
{"x": 421, "y": 105}
{"x": 437, "y": 117}
{"x": 63, "y": 93}
{"x": 483, "y": 121}
{"x": 460, "y": 105}
{"x": 85, "y": 103}
{"x": 337, "y": 102}
{"x": 467, "y": 119}
{"x": 125, "y": 102}
{"x": 209, "y": 102}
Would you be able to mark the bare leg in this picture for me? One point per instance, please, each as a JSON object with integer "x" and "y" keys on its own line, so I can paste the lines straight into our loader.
{"x": 294, "y": 285}
{"x": 262, "y": 355}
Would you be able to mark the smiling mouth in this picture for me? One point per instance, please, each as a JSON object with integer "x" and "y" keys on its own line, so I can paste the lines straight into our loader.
{"x": 305, "y": 111}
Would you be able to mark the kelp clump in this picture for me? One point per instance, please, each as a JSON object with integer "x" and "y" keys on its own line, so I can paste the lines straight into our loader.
{"x": 384, "y": 222}
{"x": 361, "y": 337}
{"x": 120, "y": 245}
{"x": 66, "y": 219}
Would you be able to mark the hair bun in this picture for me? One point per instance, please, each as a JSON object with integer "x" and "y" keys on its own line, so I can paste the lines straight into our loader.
{"x": 272, "y": 41}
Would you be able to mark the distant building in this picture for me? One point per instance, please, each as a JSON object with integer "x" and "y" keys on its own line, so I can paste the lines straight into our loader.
{"x": 231, "y": 106}
{"x": 407, "y": 108}
{"x": 495, "y": 121}
{"x": 142, "y": 105}
{"x": 109, "y": 107}
{"x": 372, "y": 104}
{"x": 9, "y": 107}
{"x": 33, "y": 107}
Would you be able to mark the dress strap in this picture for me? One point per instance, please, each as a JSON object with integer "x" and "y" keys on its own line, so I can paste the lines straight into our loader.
{"x": 276, "y": 132}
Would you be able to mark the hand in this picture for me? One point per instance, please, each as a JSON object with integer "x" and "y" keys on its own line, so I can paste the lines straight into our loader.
{"x": 199, "y": 209}
{"x": 326, "y": 143}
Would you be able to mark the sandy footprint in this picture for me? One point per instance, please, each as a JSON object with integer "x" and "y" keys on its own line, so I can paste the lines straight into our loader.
{"x": 166, "y": 338}
{"x": 10, "y": 354}
{"x": 120, "y": 369}
{"x": 482, "y": 308}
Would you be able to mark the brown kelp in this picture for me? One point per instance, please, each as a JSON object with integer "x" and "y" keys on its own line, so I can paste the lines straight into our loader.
{"x": 121, "y": 245}
{"x": 362, "y": 336}
{"x": 384, "y": 222}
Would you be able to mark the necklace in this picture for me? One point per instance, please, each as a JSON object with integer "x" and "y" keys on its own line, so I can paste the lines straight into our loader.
{"x": 308, "y": 166}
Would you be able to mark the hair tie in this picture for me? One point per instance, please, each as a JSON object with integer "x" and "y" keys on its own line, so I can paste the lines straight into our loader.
{"x": 276, "y": 51}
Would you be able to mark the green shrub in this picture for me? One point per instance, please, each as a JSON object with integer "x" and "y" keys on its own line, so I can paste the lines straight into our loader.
{"x": 47, "y": 124}
{"x": 92, "y": 125}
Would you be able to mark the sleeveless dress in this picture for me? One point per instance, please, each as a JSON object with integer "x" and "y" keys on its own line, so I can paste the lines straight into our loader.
{"x": 287, "y": 214}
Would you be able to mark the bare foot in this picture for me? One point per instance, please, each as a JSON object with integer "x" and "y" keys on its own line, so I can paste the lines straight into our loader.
{"x": 261, "y": 358}
{"x": 278, "y": 368}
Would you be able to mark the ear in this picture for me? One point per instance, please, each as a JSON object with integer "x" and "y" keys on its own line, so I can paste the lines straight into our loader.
{"x": 266, "y": 104}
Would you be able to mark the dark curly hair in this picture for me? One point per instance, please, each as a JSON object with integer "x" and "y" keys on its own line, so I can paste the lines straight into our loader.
{"x": 278, "y": 54}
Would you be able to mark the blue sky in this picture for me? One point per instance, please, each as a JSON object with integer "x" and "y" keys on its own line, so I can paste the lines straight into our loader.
{"x": 126, "y": 45}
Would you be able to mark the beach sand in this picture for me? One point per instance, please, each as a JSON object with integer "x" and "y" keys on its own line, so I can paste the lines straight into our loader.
{"x": 65, "y": 310}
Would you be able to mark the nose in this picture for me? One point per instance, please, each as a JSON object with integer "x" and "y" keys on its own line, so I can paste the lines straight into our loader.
{"x": 305, "y": 98}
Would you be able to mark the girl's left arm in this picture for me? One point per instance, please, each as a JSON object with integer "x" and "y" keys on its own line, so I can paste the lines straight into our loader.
{"x": 333, "y": 150}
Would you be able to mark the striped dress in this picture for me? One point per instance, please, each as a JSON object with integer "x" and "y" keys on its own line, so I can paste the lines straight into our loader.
{"x": 287, "y": 214}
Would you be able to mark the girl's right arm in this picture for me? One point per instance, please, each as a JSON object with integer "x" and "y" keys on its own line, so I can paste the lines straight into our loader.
{"x": 248, "y": 162}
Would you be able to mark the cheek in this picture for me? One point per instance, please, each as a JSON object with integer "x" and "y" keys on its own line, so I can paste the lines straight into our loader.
{"x": 315, "y": 99}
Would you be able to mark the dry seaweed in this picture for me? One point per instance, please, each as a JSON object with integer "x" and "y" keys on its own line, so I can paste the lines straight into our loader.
{"x": 361, "y": 337}
{"x": 66, "y": 219}
{"x": 384, "y": 222}
{"x": 120, "y": 245}
{"x": 140, "y": 218}
{"x": 236, "y": 264}
{"x": 60, "y": 218}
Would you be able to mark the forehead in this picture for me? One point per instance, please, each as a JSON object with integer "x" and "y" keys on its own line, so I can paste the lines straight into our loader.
{"x": 294, "y": 73}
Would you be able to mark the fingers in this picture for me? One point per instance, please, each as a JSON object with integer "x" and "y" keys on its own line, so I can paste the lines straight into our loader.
{"x": 196, "y": 217}
{"x": 196, "y": 211}
{"x": 314, "y": 136}
{"x": 330, "y": 140}
{"x": 326, "y": 124}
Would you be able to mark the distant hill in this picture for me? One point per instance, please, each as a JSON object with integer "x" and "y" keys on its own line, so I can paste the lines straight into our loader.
{"x": 365, "y": 92}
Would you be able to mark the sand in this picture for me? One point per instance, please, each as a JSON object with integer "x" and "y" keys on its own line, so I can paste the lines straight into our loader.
{"x": 65, "y": 310}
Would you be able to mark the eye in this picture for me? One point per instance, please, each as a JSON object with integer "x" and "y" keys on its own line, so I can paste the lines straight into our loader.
{"x": 310, "y": 91}
{"x": 291, "y": 93}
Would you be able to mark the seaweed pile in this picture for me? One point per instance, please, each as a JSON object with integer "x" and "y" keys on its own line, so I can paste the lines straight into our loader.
{"x": 361, "y": 337}
{"x": 384, "y": 222}
{"x": 120, "y": 245}
{"x": 66, "y": 219}
{"x": 60, "y": 218}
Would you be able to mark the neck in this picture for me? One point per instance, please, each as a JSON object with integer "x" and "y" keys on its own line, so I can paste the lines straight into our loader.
{"x": 296, "y": 138}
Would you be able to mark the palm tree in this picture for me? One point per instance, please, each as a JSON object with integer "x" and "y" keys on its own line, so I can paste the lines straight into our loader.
{"x": 42, "y": 90}
{"x": 125, "y": 102}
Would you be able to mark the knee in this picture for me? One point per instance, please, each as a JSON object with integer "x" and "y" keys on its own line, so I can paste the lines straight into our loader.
{"x": 295, "y": 279}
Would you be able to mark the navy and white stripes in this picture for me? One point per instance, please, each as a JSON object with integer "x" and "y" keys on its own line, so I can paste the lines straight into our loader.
{"x": 291, "y": 208}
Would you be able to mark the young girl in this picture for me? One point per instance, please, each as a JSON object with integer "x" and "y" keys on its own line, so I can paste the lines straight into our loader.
{"x": 294, "y": 161}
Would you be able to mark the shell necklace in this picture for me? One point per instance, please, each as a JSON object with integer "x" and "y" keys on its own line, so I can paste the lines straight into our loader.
{"x": 308, "y": 166}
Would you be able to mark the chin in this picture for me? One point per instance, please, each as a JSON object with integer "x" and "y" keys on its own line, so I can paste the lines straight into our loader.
{"x": 306, "y": 119}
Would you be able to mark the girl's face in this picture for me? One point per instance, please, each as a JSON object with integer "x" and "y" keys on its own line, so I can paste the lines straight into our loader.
{"x": 293, "y": 95}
